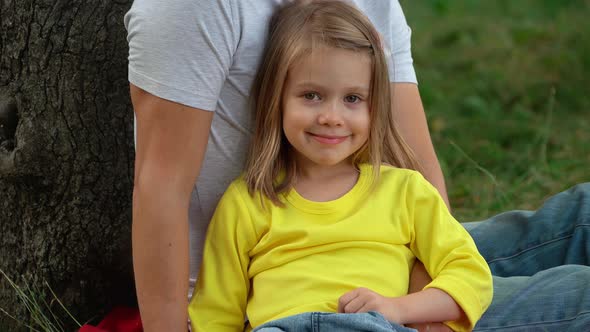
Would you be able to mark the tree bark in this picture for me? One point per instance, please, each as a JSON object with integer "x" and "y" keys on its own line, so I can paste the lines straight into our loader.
{"x": 66, "y": 155}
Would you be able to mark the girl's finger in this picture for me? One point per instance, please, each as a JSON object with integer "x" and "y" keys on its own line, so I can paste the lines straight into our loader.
{"x": 354, "y": 305}
{"x": 365, "y": 308}
{"x": 346, "y": 298}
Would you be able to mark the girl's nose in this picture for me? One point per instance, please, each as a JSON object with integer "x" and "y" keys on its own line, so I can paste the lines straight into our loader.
{"x": 330, "y": 115}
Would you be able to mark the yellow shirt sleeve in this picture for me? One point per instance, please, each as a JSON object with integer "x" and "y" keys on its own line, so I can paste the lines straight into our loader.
{"x": 448, "y": 252}
{"x": 219, "y": 302}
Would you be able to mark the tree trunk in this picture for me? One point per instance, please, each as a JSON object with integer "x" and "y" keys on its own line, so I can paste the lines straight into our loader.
{"x": 66, "y": 156}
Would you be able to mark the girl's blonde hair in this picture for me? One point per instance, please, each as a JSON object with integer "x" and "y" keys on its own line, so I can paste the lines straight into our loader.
{"x": 295, "y": 31}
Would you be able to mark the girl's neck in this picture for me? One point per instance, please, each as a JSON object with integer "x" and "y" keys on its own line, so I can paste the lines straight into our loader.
{"x": 325, "y": 183}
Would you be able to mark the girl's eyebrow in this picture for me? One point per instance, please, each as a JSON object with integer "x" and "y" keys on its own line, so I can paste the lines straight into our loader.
{"x": 312, "y": 85}
{"x": 307, "y": 85}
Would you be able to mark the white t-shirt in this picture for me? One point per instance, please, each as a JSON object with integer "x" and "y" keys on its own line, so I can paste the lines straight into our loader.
{"x": 204, "y": 54}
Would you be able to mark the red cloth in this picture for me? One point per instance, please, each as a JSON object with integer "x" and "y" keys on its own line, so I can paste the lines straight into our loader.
{"x": 120, "y": 319}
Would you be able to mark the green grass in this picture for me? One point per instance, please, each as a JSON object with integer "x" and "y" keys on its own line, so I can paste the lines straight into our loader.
{"x": 41, "y": 315}
{"x": 505, "y": 85}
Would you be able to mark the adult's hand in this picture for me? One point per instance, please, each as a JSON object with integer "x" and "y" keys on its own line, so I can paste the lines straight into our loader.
{"x": 170, "y": 146}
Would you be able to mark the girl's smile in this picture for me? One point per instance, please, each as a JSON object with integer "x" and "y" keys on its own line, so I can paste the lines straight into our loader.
{"x": 328, "y": 139}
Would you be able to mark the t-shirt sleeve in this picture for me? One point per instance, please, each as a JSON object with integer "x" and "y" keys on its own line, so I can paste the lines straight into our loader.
{"x": 448, "y": 253}
{"x": 400, "y": 35}
{"x": 182, "y": 50}
{"x": 219, "y": 301}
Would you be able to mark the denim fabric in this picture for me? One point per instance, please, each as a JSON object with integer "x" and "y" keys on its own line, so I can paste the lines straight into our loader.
{"x": 540, "y": 262}
{"x": 331, "y": 322}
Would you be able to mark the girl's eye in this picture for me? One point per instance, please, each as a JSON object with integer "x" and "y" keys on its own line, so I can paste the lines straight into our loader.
{"x": 352, "y": 99}
{"x": 311, "y": 96}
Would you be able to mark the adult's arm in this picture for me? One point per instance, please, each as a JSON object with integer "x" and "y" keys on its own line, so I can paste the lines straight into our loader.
{"x": 171, "y": 143}
{"x": 408, "y": 113}
{"x": 180, "y": 53}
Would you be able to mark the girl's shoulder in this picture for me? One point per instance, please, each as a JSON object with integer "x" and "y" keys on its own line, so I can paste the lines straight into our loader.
{"x": 238, "y": 192}
{"x": 395, "y": 177}
{"x": 390, "y": 171}
{"x": 407, "y": 180}
{"x": 238, "y": 188}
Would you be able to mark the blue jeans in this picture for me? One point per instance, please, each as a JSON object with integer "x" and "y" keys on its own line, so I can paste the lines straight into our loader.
{"x": 332, "y": 322}
{"x": 540, "y": 262}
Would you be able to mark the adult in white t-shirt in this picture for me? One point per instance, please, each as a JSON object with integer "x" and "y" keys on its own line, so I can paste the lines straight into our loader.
{"x": 191, "y": 64}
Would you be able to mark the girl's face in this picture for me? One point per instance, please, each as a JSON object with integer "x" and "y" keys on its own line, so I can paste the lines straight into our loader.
{"x": 325, "y": 106}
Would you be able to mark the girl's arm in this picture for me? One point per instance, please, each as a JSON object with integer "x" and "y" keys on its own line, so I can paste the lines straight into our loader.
{"x": 220, "y": 297}
{"x": 429, "y": 305}
{"x": 448, "y": 253}
{"x": 461, "y": 289}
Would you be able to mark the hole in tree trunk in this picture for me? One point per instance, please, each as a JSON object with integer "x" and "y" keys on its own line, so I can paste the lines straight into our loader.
{"x": 8, "y": 123}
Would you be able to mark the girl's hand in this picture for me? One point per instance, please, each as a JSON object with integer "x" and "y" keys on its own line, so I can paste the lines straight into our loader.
{"x": 365, "y": 300}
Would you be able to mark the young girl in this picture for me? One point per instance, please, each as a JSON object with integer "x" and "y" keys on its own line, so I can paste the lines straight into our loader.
{"x": 321, "y": 231}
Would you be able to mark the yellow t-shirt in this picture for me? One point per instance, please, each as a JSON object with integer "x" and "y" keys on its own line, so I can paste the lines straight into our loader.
{"x": 282, "y": 261}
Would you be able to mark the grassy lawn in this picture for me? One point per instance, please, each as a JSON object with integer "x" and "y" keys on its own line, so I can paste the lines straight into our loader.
{"x": 506, "y": 89}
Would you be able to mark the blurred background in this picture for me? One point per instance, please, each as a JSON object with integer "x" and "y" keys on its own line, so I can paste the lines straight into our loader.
{"x": 506, "y": 88}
